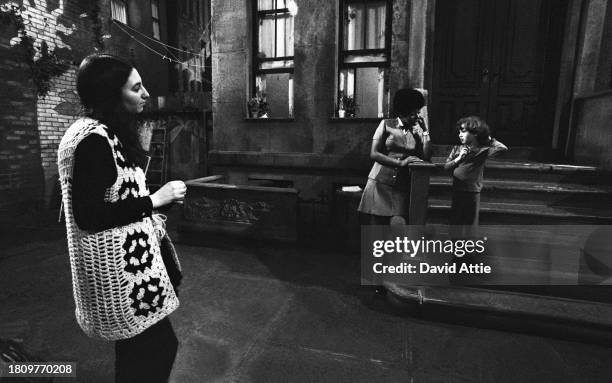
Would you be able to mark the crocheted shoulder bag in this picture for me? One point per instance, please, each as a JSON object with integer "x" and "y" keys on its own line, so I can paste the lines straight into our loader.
{"x": 119, "y": 281}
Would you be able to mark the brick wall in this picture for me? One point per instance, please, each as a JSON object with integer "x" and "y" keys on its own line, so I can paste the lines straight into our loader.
{"x": 55, "y": 112}
{"x": 31, "y": 126}
{"x": 20, "y": 171}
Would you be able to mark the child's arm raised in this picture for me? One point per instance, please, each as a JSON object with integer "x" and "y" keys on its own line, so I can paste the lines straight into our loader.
{"x": 455, "y": 157}
{"x": 496, "y": 147}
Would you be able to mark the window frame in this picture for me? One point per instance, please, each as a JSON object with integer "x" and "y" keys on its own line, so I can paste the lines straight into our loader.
{"x": 256, "y": 61}
{"x": 127, "y": 13}
{"x": 155, "y": 20}
{"x": 344, "y": 53}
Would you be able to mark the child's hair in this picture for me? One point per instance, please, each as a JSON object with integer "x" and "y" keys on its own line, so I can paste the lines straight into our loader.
{"x": 406, "y": 100}
{"x": 477, "y": 126}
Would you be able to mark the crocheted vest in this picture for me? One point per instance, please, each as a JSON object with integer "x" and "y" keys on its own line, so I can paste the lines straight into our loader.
{"x": 120, "y": 284}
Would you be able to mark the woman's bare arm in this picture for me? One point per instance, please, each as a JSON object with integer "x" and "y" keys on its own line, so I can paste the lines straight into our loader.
{"x": 378, "y": 146}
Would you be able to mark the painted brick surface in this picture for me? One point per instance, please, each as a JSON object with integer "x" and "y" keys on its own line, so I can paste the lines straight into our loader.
{"x": 31, "y": 126}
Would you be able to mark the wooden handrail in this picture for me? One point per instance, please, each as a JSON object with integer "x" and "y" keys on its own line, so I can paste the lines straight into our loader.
{"x": 196, "y": 181}
{"x": 419, "y": 191}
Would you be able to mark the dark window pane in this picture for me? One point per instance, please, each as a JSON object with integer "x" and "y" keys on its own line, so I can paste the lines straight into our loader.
{"x": 369, "y": 90}
{"x": 278, "y": 91}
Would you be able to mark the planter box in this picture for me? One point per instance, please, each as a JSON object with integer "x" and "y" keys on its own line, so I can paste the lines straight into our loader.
{"x": 246, "y": 211}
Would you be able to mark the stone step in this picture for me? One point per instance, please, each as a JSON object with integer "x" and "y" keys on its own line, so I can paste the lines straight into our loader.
{"x": 515, "y": 191}
{"x": 523, "y": 213}
{"x": 516, "y": 153}
{"x": 573, "y": 319}
{"x": 537, "y": 171}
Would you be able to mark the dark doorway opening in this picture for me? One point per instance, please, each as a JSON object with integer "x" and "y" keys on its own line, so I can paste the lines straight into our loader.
{"x": 499, "y": 60}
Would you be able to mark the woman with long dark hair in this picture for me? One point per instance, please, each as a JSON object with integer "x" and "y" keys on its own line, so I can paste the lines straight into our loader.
{"x": 124, "y": 268}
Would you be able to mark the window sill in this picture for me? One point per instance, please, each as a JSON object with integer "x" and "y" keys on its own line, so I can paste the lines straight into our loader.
{"x": 120, "y": 22}
{"x": 269, "y": 119}
{"x": 355, "y": 119}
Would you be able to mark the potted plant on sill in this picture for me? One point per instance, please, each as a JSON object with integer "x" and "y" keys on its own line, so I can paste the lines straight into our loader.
{"x": 258, "y": 106}
{"x": 347, "y": 107}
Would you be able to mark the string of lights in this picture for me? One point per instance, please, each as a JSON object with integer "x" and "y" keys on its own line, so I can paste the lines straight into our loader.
{"x": 120, "y": 25}
{"x": 163, "y": 56}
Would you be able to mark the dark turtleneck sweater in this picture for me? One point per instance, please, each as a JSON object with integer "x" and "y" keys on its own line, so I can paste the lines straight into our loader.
{"x": 94, "y": 172}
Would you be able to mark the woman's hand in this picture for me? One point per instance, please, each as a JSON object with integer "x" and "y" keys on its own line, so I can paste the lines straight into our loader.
{"x": 408, "y": 160}
{"x": 423, "y": 132}
{"x": 173, "y": 191}
{"x": 418, "y": 130}
{"x": 421, "y": 123}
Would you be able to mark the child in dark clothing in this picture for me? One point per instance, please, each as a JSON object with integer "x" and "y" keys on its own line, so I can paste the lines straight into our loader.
{"x": 467, "y": 163}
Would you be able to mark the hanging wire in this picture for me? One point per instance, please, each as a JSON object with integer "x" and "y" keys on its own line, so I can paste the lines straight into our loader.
{"x": 122, "y": 26}
{"x": 163, "y": 56}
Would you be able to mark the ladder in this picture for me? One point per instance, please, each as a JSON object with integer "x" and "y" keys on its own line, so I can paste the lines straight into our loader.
{"x": 156, "y": 169}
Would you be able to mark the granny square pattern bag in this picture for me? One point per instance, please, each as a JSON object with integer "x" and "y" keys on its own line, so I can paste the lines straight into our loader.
{"x": 120, "y": 284}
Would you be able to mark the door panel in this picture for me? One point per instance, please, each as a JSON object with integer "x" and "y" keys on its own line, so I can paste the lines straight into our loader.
{"x": 490, "y": 59}
{"x": 517, "y": 62}
{"x": 460, "y": 46}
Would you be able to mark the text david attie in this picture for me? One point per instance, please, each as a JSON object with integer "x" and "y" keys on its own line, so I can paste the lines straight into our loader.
{"x": 403, "y": 247}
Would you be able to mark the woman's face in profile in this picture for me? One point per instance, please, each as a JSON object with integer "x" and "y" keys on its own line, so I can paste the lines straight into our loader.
{"x": 133, "y": 93}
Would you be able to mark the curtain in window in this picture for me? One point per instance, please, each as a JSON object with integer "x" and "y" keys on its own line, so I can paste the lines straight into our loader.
{"x": 155, "y": 9}
{"x": 266, "y": 35}
{"x": 156, "y": 29}
{"x": 365, "y": 26}
{"x": 155, "y": 18}
{"x": 284, "y": 35}
{"x": 119, "y": 11}
{"x": 265, "y": 5}
{"x": 274, "y": 75}
{"x": 354, "y": 27}
{"x": 376, "y": 26}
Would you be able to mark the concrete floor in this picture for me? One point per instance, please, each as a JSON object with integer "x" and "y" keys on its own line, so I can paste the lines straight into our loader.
{"x": 269, "y": 313}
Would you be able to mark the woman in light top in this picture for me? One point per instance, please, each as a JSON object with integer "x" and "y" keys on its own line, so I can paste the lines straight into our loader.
{"x": 397, "y": 142}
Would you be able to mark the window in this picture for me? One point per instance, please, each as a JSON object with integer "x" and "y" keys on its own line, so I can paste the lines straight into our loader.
{"x": 365, "y": 42}
{"x": 273, "y": 56}
{"x": 155, "y": 18}
{"x": 119, "y": 10}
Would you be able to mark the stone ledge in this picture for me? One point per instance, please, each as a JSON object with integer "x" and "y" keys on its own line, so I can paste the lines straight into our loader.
{"x": 240, "y": 210}
{"x": 289, "y": 160}
{"x": 573, "y": 318}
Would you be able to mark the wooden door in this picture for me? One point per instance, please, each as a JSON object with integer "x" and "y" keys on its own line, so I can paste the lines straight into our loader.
{"x": 499, "y": 60}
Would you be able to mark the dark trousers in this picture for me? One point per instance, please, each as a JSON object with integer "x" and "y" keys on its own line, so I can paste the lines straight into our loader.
{"x": 465, "y": 208}
{"x": 147, "y": 357}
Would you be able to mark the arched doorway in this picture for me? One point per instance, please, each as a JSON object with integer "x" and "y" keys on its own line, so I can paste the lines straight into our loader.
{"x": 500, "y": 60}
